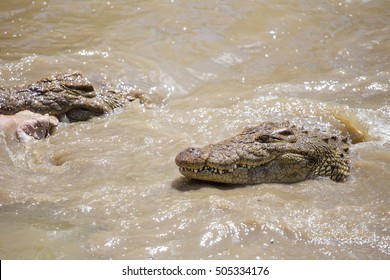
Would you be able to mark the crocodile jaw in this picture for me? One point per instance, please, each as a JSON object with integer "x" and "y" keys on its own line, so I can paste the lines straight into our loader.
{"x": 287, "y": 168}
{"x": 238, "y": 174}
{"x": 200, "y": 165}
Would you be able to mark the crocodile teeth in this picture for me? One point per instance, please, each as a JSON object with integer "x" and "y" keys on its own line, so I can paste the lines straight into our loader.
{"x": 216, "y": 170}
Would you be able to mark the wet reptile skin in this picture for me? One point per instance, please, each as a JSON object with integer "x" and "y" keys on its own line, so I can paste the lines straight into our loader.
{"x": 69, "y": 95}
{"x": 269, "y": 152}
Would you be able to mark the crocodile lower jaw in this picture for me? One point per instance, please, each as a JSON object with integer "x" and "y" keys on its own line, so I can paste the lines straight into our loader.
{"x": 220, "y": 171}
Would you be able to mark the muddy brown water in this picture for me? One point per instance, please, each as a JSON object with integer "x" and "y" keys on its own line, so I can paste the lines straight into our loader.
{"x": 109, "y": 187}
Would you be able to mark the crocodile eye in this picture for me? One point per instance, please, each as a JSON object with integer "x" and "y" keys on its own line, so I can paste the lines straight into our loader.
{"x": 263, "y": 138}
{"x": 286, "y": 132}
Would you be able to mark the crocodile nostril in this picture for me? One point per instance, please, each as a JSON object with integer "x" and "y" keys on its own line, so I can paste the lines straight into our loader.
{"x": 194, "y": 152}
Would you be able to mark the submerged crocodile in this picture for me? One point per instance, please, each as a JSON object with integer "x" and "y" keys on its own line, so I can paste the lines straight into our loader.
{"x": 269, "y": 152}
{"x": 32, "y": 111}
{"x": 63, "y": 95}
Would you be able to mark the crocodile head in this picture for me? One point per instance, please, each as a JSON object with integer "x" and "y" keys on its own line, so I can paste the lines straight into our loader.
{"x": 69, "y": 95}
{"x": 269, "y": 152}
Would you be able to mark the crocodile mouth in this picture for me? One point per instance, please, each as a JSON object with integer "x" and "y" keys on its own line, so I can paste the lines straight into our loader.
{"x": 221, "y": 171}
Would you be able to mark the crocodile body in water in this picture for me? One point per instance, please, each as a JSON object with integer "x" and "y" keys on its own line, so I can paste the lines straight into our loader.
{"x": 31, "y": 111}
{"x": 63, "y": 95}
{"x": 269, "y": 152}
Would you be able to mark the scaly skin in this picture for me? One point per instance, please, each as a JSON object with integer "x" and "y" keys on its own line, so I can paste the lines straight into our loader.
{"x": 269, "y": 153}
{"x": 69, "y": 95}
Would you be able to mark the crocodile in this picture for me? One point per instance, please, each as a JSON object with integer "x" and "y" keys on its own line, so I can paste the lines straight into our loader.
{"x": 31, "y": 111}
{"x": 271, "y": 152}
{"x": 67, "y": 96}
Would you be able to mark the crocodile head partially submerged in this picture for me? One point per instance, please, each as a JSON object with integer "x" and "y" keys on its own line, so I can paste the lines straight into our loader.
{"x": 63, "y": 95}
{"x": 269, "y": 152}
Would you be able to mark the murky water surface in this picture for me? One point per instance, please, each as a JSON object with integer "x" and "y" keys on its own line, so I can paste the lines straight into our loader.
{"x": 109, "y": 187}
